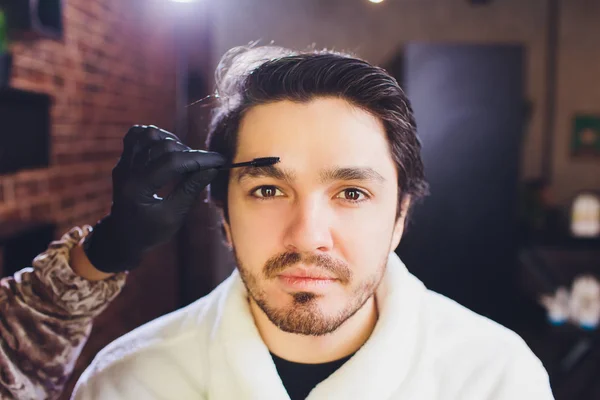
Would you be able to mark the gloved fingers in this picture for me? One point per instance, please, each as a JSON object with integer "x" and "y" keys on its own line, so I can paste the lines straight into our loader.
{"x": 187, "y": 191}
{"x": 139, "y": 137}
{"x": 156, "y": 150}
{"x": 173, "y": 165}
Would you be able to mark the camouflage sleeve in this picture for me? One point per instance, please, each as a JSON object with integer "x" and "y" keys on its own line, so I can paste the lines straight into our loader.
{"x": 46, "y": 315}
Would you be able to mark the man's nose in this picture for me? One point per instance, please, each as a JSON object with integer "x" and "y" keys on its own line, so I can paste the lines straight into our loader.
{"x": 309, "y": 228}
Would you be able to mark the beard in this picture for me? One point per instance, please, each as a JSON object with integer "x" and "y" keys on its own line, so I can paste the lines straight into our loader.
{"x": 304, "y": 316}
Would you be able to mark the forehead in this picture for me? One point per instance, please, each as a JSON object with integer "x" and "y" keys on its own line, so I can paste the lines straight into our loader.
{"x": 321, "y": 133}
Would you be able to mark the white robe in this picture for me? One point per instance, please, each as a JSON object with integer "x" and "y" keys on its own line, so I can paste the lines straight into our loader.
{"x": 424, "y": 346}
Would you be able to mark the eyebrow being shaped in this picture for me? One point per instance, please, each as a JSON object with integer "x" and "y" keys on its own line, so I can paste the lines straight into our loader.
{"x": 329, "y": 175}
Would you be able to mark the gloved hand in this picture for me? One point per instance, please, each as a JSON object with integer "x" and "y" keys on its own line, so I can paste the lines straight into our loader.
{"x": 139, "y": 219}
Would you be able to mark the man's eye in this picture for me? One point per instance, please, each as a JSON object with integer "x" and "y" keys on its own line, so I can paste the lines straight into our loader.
{"x": 265, "y": 192}
{"x": 353, "y": 195}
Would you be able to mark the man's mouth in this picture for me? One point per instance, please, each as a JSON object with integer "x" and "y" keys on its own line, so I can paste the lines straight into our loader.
{"x": 304, "y": 278}
{"x": 307, "y": 273}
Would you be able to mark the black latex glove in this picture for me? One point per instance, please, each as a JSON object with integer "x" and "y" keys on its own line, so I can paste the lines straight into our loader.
{"x": 139, "y": 220}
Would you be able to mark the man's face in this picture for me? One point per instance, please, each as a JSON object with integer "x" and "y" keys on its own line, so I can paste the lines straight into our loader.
{"x": 312, "y": 234}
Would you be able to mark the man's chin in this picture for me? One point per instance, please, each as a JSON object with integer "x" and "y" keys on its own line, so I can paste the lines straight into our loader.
{"x": 302, "y": 321}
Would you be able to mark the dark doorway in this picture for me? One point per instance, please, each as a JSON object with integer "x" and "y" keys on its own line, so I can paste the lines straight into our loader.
{"x": 469, "y": 107}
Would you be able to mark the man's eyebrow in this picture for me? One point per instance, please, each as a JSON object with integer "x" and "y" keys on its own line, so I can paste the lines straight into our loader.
{"x": 268, "y": 171}
{"x": 351, "y": 174}
{"x": 329, "y": 175}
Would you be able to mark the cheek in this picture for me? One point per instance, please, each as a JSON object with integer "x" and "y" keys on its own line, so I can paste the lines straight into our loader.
{"x": 372, "y": 222}
{"x": 257, "y": 219}
{"x": 364, "y": 236}
{"x": 256, "y": 230}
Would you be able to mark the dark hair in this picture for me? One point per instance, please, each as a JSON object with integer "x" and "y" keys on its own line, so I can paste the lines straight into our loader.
{"x": 247, "y": 77}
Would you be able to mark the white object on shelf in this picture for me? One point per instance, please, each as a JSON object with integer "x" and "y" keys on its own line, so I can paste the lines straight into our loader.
{"x": 585, "y": 302}
{"x": 585, "y": 216}
{"x": 557, "y": 306}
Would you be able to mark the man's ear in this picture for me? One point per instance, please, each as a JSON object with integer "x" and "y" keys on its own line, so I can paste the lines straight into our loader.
{"x": 400, "y": 223}
{"x": 226, "y": 230}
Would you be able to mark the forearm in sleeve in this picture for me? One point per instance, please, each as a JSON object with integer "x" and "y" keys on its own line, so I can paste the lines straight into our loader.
{"x": 46, "y": 315}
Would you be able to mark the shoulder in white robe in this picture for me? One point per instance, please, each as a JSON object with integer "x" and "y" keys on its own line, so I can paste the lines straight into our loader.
{"x": 424, "y": 346}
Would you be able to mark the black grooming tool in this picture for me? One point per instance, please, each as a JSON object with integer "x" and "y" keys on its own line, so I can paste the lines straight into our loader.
{"x": 257, "y": 162}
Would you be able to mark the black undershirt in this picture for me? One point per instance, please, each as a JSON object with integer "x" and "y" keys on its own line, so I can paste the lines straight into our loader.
{"x": 299, "y": 379}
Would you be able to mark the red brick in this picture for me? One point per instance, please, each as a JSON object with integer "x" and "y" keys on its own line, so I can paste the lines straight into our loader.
{"x": 58, "y": 183}
{"x": 41, "y": 211}
{"x": 25, "y": 190}
{"x": 9, "y": 214}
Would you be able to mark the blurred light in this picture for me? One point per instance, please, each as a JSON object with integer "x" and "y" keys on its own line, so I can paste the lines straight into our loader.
{"x": 585, "y": 216}
{"x": 376, "y": 1}
{"x": 183, "y": 1}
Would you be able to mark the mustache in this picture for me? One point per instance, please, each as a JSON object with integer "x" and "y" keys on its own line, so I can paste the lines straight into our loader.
{"x": 279, "y": 263}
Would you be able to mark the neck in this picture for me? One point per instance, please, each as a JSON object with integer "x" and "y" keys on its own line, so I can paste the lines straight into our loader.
{"x": 344, "y": 341}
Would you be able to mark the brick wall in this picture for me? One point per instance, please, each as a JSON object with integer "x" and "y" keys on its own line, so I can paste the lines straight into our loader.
{"x": 114, "y": 68}
{"x": 377, "y": 31}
